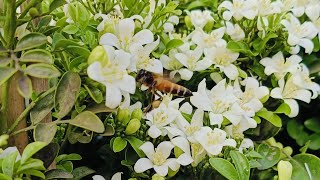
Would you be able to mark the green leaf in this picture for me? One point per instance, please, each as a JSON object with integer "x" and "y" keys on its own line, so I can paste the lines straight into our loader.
{"x": 48, "y": 154}
{"x": 5, "y": 177}
{"x": 260, "y": 44}
{"x": 55, "y": 4}
{"x": 30, "y": 41}
{"x": 297, "y": 132}
{"x": 301, "y": 162}
{"x": 41, "y": 70}
{"x": 304, "y": 149}
{"x": 68, "y": 157}
{"x": 313, "y": 124}
{"x": 129, "y": 3}
{"x": 109, "y": 131}
{"x": 58, "y": 174}
{"x": 270, "y": 156}
{"x": 37, "y": 55}
{"x": 135, "y": 144}
{"x": 119, "y": 144}
{"x": 45, "y": 132}
{"x": 70, "y": 29}
{"x": 315, "y": 141}
{"x": 84, "y": 52}
{"x": 66, "y": 165}
{"x": 270, "y": 116}
{"x": 283, "y": 108}
{"x": 34, "y": 173}
{"x": 224, "y": 167}
{"x": 95, "y": 94}
{"x": 8, "y": 163}
{"x": 4, "y": 61}
{"x": 81, "y": 172}
{"x": 174, "y": 43}
{"x": 66, "y": 93}
{"x": 240, "y": 47}
{"x": 44, "y": 21}
{"x": 24, "y": 86}
{"x": 241, "y": 163}
{"x": 42, "y": 108}
{"x": 6, "y": 73}
{"x": 88, "y": 120}
{"x": 31, "y": 149}
{"x": 34, "y": 164}
{"x": 64, "y": 43}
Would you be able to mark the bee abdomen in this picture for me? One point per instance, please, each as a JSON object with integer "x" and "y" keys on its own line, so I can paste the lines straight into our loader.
{"x": 180, "y": 91}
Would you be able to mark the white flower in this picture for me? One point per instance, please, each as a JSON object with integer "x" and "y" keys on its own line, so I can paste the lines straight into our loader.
{"x": 99, "y": 177}
{"x": 238, "y": 9}
{"x": 171, "y": 63}
{"x": 169, "y": 25}
{"x": 223, "y": 58}
{"x": 159, "y": 118}
{"x": 114, "y": 76}
{"x": 286, "y": 5}
{"x": 107, "y": 19}
{"x": 200, "y": 18}
{"x": 157, "y": 158}
{"x": 213, "y": 140}
{"x": 198, "y": 153}
{"x": 234, "y": 31}
{"x": 300, "y": 34}
{"x": 236, "y": 131}
{"x": 310, "y": 7}
{"x": 220, "y": 102}
{"x": 191, "y": 60}
{"x": 246, "y": 144}
{"x": 8, "y": 151}
{"x": 316, "y": 24}
{"x": 124, "y": 37}
{"x": 214, "y": 39}
{"x": 182, "y": 143}
{"x": 279, "y": 66}
{"x": 266, "y": 7}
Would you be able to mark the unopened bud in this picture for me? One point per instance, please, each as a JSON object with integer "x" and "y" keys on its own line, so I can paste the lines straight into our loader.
{"x": 177, "y": 151}
{"x": 284, "y": 170}
{"x": 209, "y": 26}
{"x": 136, "y": 114}
{"x": 157, "y": 177}
{"x": 172, "y": 173}
{"x": 4, "y": 139}
{"x": 133, "y": 126}
{"x": 98, "y": 54}
{"x": 188, "y": 22}
{"x": 123, "y": 116}
{"x": 33, "y": 12}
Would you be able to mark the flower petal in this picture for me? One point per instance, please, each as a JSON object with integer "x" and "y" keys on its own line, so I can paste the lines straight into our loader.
{"x": 185, "y": 74}
{"x": 154, "y": 132}
{"x": 294, "y": 107}
{"x": 109, "y": 39}
{"x": 231, "y": 71}
{"x": 142, "y": 165}
{"x": 113, "y": 96}
{"x": 181, "y": 143}
{"x": 215, "y": 119}
{"x": 148, "y": 149}
{"x": 144, "y": 36}
{"x": 165, "y": 148}
{"x": 161, "y": 170}
{"x": 186, "y": 108}
{"x": 184, "y": 159}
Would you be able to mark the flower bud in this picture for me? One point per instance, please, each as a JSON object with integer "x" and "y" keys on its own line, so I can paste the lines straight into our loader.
{"x": 177, "y": 151}
{"x": 136, "y": 114}
{"x": 288, "y": 150}
{"x": 98, "y": 54}
{"x": 4, "y": 139}
{"x": 33, "y": 12}
{"x": 188, "y": 22}
{"x": 284, "y": 170}
{"x": 133, "y": 126}
{"x": 208, "y": 27}
{"x": 157, "y": 177}
{"x": 172, "y": 173}
{"x": 123, "y": 116}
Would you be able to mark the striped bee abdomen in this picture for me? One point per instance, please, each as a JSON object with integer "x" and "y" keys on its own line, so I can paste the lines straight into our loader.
{"x": 175, "y": 89}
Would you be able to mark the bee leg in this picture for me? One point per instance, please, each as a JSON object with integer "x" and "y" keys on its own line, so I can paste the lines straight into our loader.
{"x": 148, "y": 108}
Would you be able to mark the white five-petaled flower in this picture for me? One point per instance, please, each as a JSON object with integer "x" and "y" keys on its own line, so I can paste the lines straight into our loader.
{"x": 246, "y": 144}
{"x": 234, "y": 31}
{"x": 266, "y": 7}
{"x": 238, "y": 9}
{"x": 214, "y": 39}
{"x": 310, "y": 7}
{"x": 300, "y": 34}
{"x": 223, "y": 58}
{"x": 236, "y": 131}
{"x": 171, "y": 63}
{"x": 182, "y": 143}
{"x": 191, "y": 60}
{"x": 279, "y": 66}
{"x": 213, "y": 140}
{"x": 200, "y": 18}
{"x": 114, "y": 76}
{"x": 158, "y": 158}
{"x": 124, "y": 36}
{"x": 169, "y": 25}
{"x": 159, "y": 118}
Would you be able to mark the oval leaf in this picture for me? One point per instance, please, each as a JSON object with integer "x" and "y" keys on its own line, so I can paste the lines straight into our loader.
{"x": 24, "y": 86}
{"x": 88, "y": 120}
{"x": 224, "y": 167}
{"x": 8, "y": 163}
{"x": 42, "y": 71}
{"x": 301, "y": 163}
{"x": 242, "y": 164}
{"x": 270, "y": 116}
{"x": 42, "y": 108}
{"x": 48, "y": 154}
{"x": 66, "y": 93}
{"x": 313, "y": 124}
{"x": 95, "y": 94}
{"x": 81, "y": 172}
{"x": 6, "y": 73}
{"x": 58, "y": 174}
{"x": 45, "y": 132}
{"x": 70, "y": 29}
{"x": 270, "y": 156}
{"x": 37, "y": 55}
{"x": 30, "y": 41}
{"x": 31, "y": 149}
{"x": 135, "y": 144}
{"x": 119, "y": 144}
{"x": 84, "y": 52}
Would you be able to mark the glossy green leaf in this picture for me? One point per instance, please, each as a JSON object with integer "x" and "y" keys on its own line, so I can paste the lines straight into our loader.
{"x": 31, "y": 149}
{"x": 81, "y": 51}
{"x": 45, "y": 132}
{"x": 8, "y": 163}
{"x": 30, "y": 41}
{"x": 135, "y": 144}
{"x": 42, "y": 108}
{"x": 24, "y": 86}
{"x": 41, "y": 70}
{"x": 37, "y": 55}
{"x": 315, "y": 141}
{"x": 34, "y": 173}
{"x": 95, "y": 94}
{"x": 44, "y": 21}
{"x": 304, "y": 163}
{"x": 55, "y": 4}
{"x": 313, "y": 124}
{"x": 68, "y": 157}
{"x": 34, "y": 164}
{"x": 58, "y": 174}
{"x": 270, "y": 156}
{"x": 225, "y": 168}
{"x": 64, "y": 43}
{"x": 242, "y": 164}
{"x": 174, "y": 43}
{"x": 66, "y": 165}
{"x": 283, "y": 108}
{"x": 240, "y": 47}
{"x": 270, "y": 116}
{"x": 66, "y": 93}
{"x": 70, "y": 29}
{"x": 119, "y": 144}
{"x": 6, "y": 73}
{"x": 88, "y": 120}
{"x": 81, "y": 172}
{"x": 296, "y": 131}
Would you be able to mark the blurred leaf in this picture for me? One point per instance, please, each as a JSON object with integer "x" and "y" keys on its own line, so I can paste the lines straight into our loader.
{"x": 42, "y": 108}
{"x": 55, "y": 4}
{"x": 37, "y": 55}
{"x": 66, "y": 165}
{"x": 95, "y": 94}
{"x": 109, "y": 131}
{"x": 5, "y": 177}
{"x": 77, "y": 64}
{"x": 313, "y": 124}
{"x": 44, "y": 21}
{"x": 64, "y": 43}
{"x": 4, "y": 61}
{"x": 315, "y": 141}
{"x": 84, "y": 52}
{"x": 41, "y": 70}
{"x": 8, "y": 163}
{"x": 58, "y": 174}
{"x": 34, "y": 164}
{"x": 297, "y": 132}
{"x": 24, "y": 86}
{"x": 98, "y": 108}
{"x": 260, "y": 44}
{"x": 81, "y": 172}
{"x": 88, "y": 120}
{"x": 240, "y": 47}
{"x": 174, "y": 43}
{"x": 270, "y": 156}
{"x": 70, "y": 29}
{"x": 34, "y": 173}
{"x": 68, "y": 157}
{"x": 304, "y": 149}
{"x": 283, "y": 108}
{"x": 6, "y": 73}
{"x": 119, "y": 144}
{"x": 300, "y": 164}
{"x": 241, "y": 163}
{"x": 225, "y": 168}
{"x": 66, "y": 93}
{"x": 85, "y": 138}
{"x": 135, "y": 144}
{"x": 270, "y": 116}
{"x": 30, "y": 41}
{"x": 45, "y": 132}
{"x": 31, "y": 149}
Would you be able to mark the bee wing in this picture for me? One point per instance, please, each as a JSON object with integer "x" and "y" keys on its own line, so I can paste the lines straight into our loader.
{"x": 166, "y": 76}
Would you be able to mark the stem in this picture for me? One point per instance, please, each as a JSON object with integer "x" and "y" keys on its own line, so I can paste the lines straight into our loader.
{"x": 10, "y": 23}
{"x": 19, "y": 2}
{"x": 3, "y": 41}
{"x": 27, "y": 110}
{"x": 4, "y": 108}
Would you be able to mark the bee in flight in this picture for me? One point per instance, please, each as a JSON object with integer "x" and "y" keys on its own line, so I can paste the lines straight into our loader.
{"x": 158, "y": 82}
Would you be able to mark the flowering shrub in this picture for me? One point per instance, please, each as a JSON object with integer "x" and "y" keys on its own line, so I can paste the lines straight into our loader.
{"x": 251, "y": 65}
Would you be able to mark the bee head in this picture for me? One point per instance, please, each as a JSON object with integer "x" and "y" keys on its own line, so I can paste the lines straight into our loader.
{"x": 140, "y": 75}
{"x": 144, "y": 77}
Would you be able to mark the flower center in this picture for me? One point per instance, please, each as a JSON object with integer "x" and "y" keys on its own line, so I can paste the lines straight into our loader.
{"x": 160, "y": 118}
{"x": 158, "y": 158}
{"x": 220, "y": 106}
{"x": 191, "y": 129}
{"x": 223, "y": 59}
{"x": 247, "y": 95}
{"x": 213, "y": 138}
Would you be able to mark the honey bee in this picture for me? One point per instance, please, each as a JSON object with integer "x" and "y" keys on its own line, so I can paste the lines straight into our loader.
{"x": 158, "y": 82}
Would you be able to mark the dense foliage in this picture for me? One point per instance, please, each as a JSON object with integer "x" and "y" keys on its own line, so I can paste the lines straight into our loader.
{"x": 252, "y": 67}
